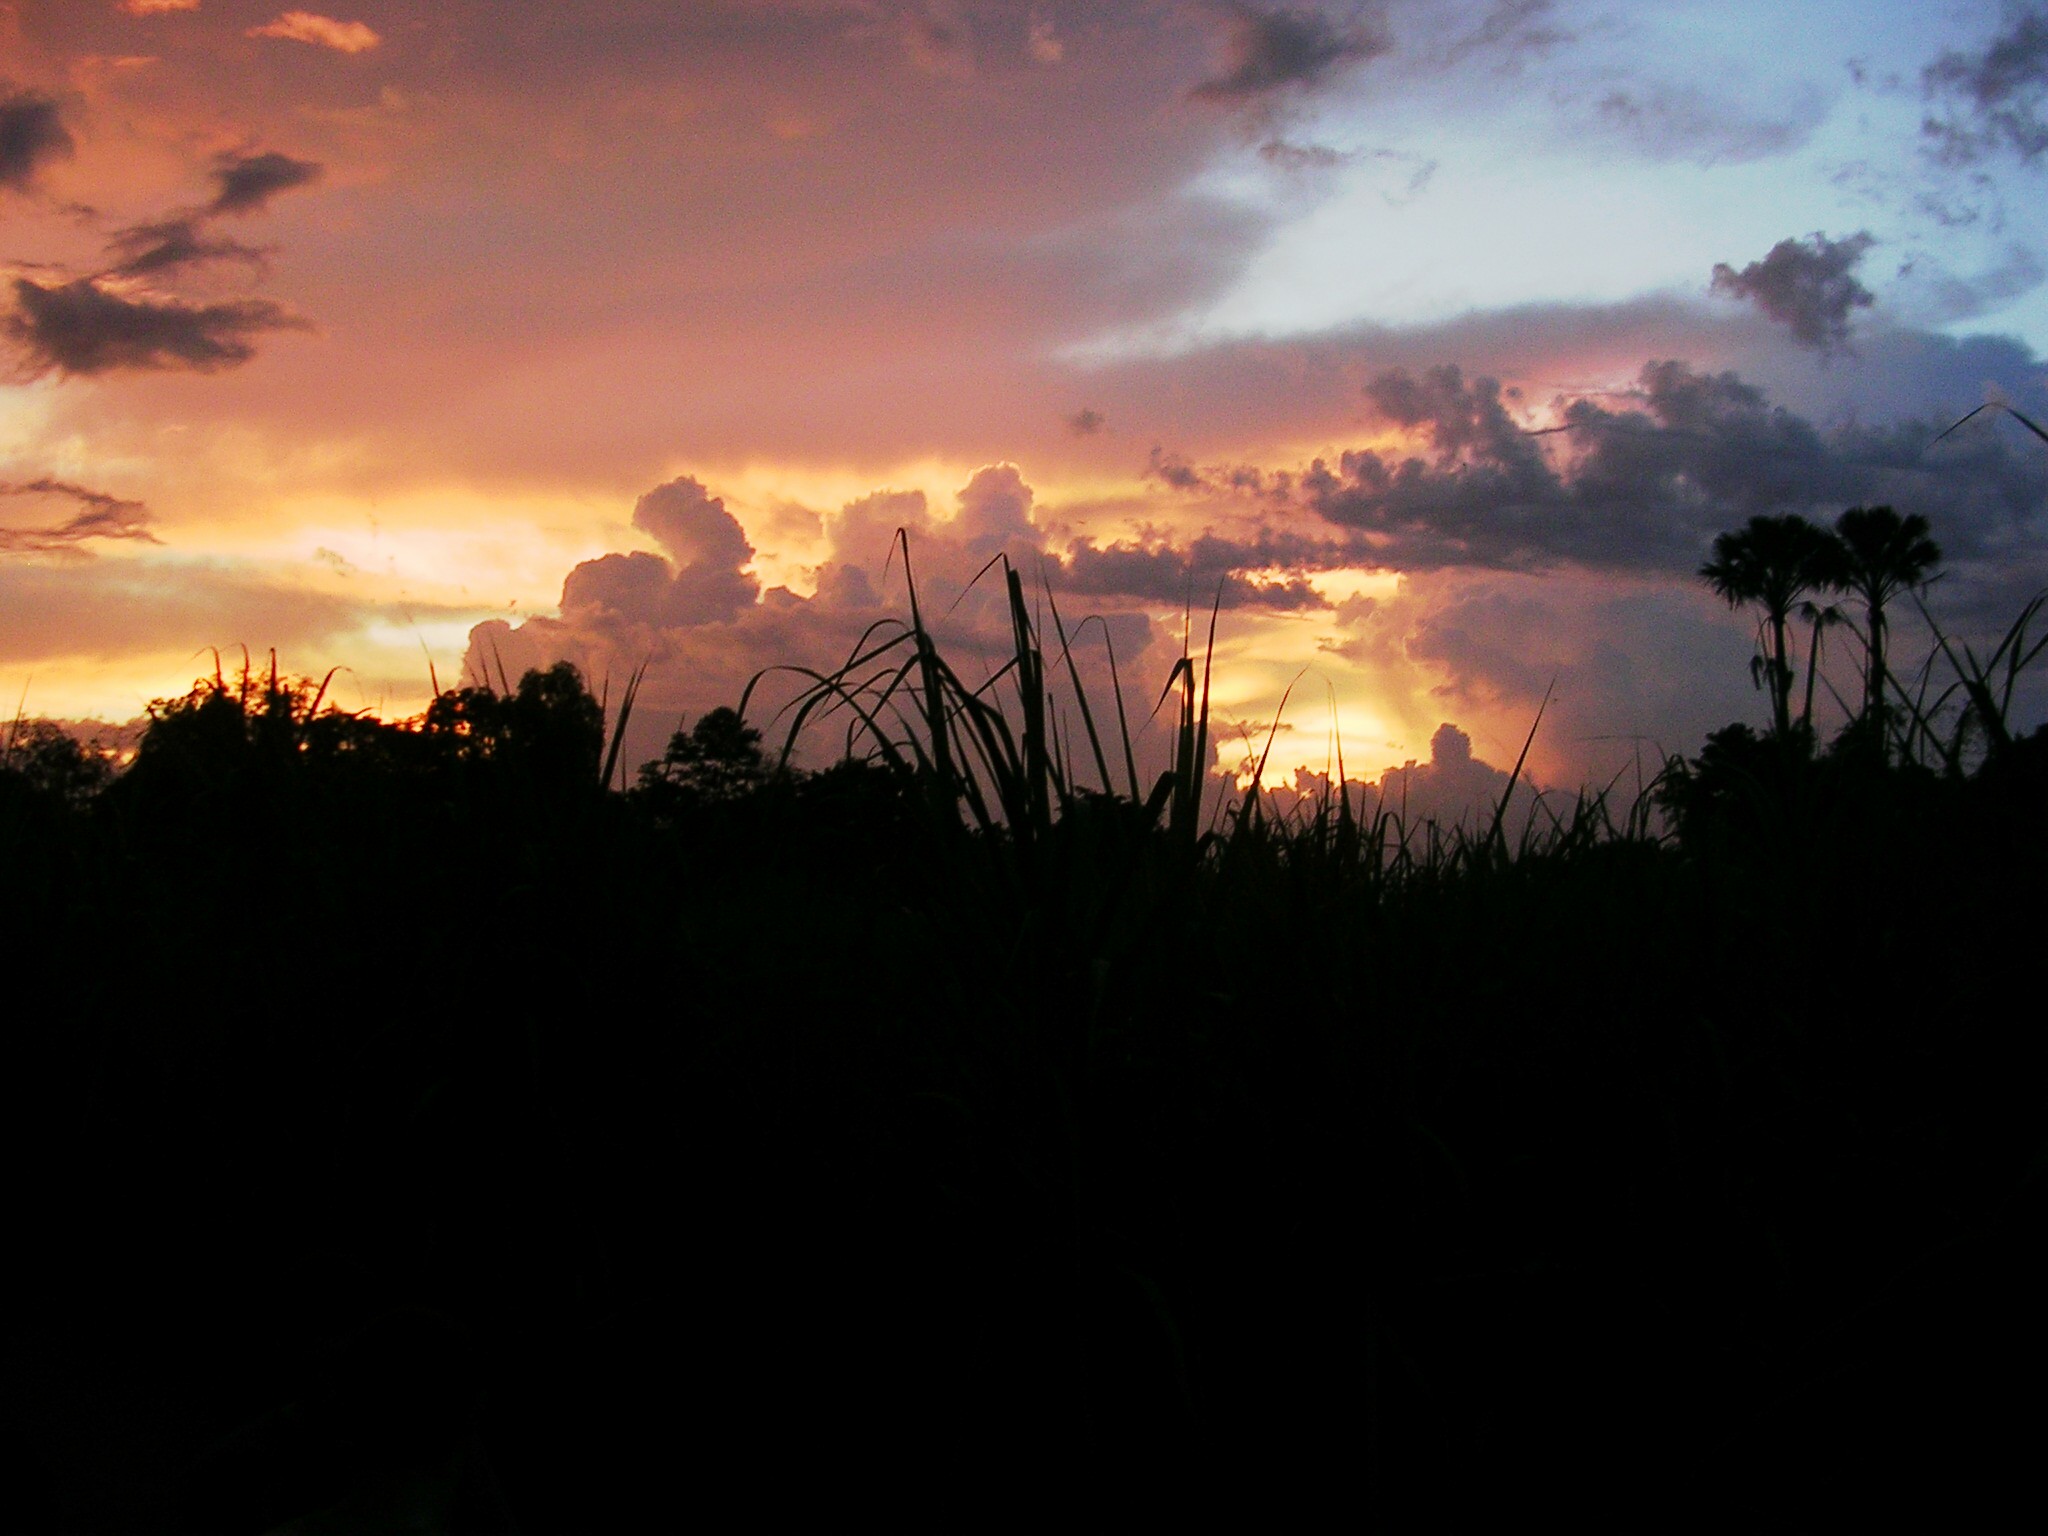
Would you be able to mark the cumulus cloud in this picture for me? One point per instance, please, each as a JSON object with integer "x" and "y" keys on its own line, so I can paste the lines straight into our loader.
{"x": 1995, "y": 99}
{"x": 32, "y": 134}
{"x": 83, "y": 328}
{"x": 321, "y": 31}
{"x": 248, "y": 182}
{"x": 995, "y": 508}
{"x": 98, "y": 516}
{"x": 698, "y": 579}
{"x": 1452, "y": 790}
{"x": 1809, "y": 287}
{"x": 1266, "y": 51}
{"x": 704, "y": 627}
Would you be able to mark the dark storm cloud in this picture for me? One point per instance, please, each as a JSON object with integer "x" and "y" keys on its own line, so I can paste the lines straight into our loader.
{"x": 1995, "y": 99}
{"x": 1808, "y": 286}
{"x": 248, "y": 182}
{"x": 32, "y": 134}
{"x": 1268, "y": 572}
{"x": 99, "y": 516}
{"x": 166, "y": 245}
{"x": 1647, "y": 485}
{"x": 1268, "y": 50}
{"x": 83, "y": 328}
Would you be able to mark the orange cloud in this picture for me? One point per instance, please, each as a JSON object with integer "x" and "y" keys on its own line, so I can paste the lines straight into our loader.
{"x": 157, "y": 7}
{"x": 325, "y": 31}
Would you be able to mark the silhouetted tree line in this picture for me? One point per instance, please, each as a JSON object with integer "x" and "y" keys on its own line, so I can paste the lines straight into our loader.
{"x": 409, "y": 1128}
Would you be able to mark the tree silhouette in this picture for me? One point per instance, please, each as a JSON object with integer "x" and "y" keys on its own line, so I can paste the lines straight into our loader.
{"x": 1883, "y": 554}
{"x": 1773, "y": 562}
{"x": 40, "y": 757}
{"x": 719, "y": 758}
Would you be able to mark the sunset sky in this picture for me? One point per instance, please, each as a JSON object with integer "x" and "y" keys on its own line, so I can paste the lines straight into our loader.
{"x": 631, "y": 330}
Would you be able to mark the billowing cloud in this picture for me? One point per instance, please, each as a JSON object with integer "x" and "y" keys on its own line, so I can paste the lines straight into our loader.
{"x": 699, "y": 578}
{"x": 1996, "y": 99}
{"x": 1450, "y": 792}
{"x": 248, "y": 182}
{"x": 1808, "y": 286}
{"x": 32, "y": 134}
{"x": 995, "y": 508}
{"x": 84, "y": 327}
{"x": 322, "y": 31}
{"x": 99, "y": 516}
{"x": 1645, "y": 487}
{"x": 1268, "y": 50}
{"x": 703, "y": 626}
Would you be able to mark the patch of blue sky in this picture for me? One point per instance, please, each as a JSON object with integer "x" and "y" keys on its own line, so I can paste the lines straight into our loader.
{"x": 1628, "y": 162}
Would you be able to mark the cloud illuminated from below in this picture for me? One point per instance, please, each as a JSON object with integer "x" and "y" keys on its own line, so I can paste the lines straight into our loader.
{"x": 322, "y": 31}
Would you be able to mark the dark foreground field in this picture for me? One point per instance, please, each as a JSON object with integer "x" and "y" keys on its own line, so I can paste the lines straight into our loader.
{"x": 402, "y": 1128}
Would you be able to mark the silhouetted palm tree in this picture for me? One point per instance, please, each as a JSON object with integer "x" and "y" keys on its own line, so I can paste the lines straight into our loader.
{"x": 1819, "y": 618}
{"x": 1773, "y": 562}
{"x": 1882, "y": 555}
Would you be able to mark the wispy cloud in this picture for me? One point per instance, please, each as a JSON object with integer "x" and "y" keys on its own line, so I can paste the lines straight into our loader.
{"x": 99, "y": 516}
{"x": 1997, "y": 98}
{"x": 321, "y": 31}
{"x": 157, "y": 7}
{"x": 166, "y": 245}
{"x": 248, "y": 182}
{"x": 83, "y": 328}
{"x": 1512, "y": 32}
{"x": 1266, "y": 51}
{"x": 1681, "y": 122}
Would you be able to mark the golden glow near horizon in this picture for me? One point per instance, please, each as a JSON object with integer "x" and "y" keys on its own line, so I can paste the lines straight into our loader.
{"x": 388, "y": 343}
